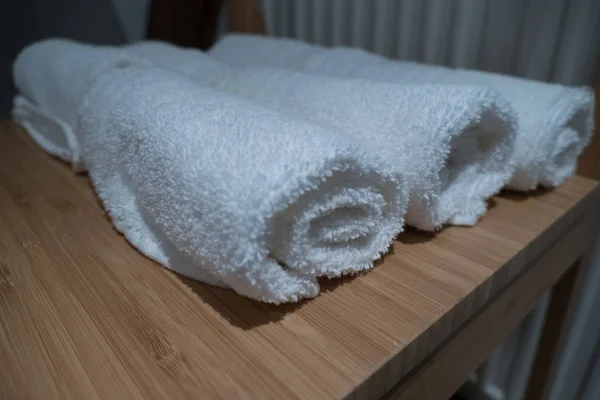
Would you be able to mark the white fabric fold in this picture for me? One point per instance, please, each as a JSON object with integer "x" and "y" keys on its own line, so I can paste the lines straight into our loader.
{"x": 231, "y": 193}
{"x": 452, "y": 143}
{"x": 52, "y": 76}
{"x": 555, "y": 122}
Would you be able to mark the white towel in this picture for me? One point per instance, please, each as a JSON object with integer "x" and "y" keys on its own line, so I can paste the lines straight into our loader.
{"x": 243, "y": 50}
{"x": 194, "y": 64}
{"x": 555, "y": 122}
{"x": 52, "y": 76}
{"x": 253, "y": 200}
{"x": 452, "y": 143}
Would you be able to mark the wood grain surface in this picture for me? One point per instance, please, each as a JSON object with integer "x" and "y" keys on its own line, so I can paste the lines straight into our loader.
{"x": 83, "y": 315}
{"x": 452, "y": 363}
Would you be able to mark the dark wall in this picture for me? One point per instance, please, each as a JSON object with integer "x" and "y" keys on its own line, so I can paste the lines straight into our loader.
{"x": 25, "y": 21}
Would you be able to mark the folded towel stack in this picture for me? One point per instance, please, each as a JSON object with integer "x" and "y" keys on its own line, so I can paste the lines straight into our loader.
{"x": 231, "y": 193}
{"x": 263, "y": 180}
{"x": 52, "y": 77}
{"x": 452, "y": 143}
{"x": 555, "y": 122}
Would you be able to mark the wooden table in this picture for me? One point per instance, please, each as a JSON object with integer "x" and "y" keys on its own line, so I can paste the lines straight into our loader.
{"x": 84, "y": 315}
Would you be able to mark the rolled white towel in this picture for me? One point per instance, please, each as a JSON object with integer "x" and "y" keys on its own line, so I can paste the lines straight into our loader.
{"x": 192, "y": 63}
{"x": 52, "y": 76}
{"x": 228, "y": 192}
{"x": 243, "y": 50}
{"x": 555, "y": 122}
{"x": 452, "y": 143}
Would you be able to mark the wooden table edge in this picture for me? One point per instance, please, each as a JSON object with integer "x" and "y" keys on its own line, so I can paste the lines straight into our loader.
{"x": 442, "y": 373}
{"x": 576, "y": 217}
